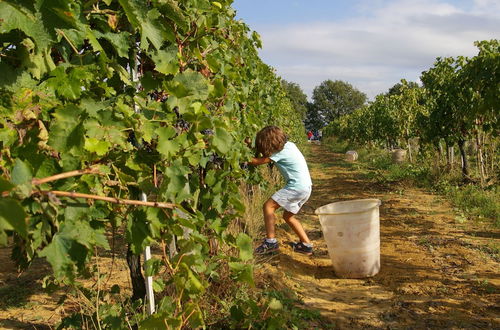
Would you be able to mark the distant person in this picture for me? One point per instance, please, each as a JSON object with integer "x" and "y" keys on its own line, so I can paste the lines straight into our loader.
{"x": 271, "y": 143}
{"x": 320, "y": 135}
{"x": 309, "y": 135}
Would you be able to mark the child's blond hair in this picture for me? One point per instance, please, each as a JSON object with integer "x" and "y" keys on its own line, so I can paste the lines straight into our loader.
{"x": 270, "y": 140}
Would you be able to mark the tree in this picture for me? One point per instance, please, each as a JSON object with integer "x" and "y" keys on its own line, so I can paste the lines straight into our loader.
{"x": 333, "y": 99}
{"x": 297, "y": 97}
{"x": 397, "y": 89}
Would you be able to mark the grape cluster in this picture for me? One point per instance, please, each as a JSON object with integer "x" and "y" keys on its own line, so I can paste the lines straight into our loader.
{"x": 158, "y": 96}
{"x": 181, "y": 124}
{"x": 216, "y": 160}
{"x": 140, "y": 146}
{"x": 207, "y": 132}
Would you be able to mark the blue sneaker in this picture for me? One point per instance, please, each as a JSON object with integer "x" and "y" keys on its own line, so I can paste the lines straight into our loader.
{"x": 267, "y": 248}
{"x": 301, "y": 248}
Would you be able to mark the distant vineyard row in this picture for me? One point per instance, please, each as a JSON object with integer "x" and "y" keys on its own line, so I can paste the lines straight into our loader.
{"x": 458, "y": 102}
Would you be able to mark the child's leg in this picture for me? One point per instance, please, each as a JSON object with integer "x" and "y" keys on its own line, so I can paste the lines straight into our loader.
{"x": 270, "y": 206}
{"x": 296, "y": 226}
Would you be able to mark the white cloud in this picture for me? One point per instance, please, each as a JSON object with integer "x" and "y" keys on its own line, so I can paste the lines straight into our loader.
{"x": 387, "y": 41}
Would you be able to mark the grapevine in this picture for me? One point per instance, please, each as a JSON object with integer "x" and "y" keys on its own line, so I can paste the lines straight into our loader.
{"x": 70, "y": 102}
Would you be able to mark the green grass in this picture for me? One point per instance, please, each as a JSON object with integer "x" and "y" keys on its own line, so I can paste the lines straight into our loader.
{"x": 476, "y": 202}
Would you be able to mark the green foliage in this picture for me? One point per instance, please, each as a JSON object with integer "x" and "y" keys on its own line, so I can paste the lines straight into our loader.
{"x": 459, "y": 100}
{"x": 136, "y": 91}
{"x": 390, "y": 119}
{"x": 415, "y": 173}
{"x": 333, "y": 99}
{"x": 398, "y": 88}
{"x": 481, "y": 76}
{"x": 476, "y": 202}
{"x": 297, "y": 97}
{"x": 280, "y": 310}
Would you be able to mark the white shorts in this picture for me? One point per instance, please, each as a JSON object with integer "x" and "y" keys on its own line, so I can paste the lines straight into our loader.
{"x": 290, "y": 199}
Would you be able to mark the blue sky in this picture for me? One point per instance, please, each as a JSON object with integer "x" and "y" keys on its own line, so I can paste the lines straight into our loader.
{"x": 371, "y": 44}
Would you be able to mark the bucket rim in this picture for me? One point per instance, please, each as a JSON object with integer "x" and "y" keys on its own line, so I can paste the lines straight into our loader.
{"x": 376, "y": 200}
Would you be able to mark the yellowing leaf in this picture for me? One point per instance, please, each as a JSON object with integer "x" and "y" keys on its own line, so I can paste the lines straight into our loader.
{"x": 98, "y": 146}
{"x": 275, "y": 304}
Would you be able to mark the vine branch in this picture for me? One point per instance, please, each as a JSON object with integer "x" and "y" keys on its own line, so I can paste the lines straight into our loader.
{"x": 65, "y": 175}
{"x": 108, "y": 199}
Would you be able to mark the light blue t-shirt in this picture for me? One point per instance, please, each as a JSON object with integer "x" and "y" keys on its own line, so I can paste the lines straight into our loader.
{"x": 293, "y": 167}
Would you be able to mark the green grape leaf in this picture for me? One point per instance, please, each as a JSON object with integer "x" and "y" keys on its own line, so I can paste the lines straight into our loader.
{"x": 137, "y": 232}
{"x": 64, "y": 253}
{"x": 92, "y": 106}
{"x": 100, "y": 147}
{"x": 121, "y": 41}
{"x": 244, "y": 243}
{"x": 189, "y": 84}
{"x": 177, "y": 185}
{"x": 5, "y": 185}
{"x": 193, "y": 284}
{"x": 21, "y": 173}
{"x": 14, "y": 17}
{"x": 222, "y": 140}
{"x": 66, "y": 132}
{"x": 170, "y": 9}
{"x": 158, "y": 321}
{"x": 219, "y": 88}
{"x": 68, "y": 83}
{"x": 147, "y": 22}
{"x": 13, "y": 217}
{"x": 242, "y": 272}
{"x": 158, "y": 285}
{"x": 71, "y": 247}
{"x": 152, "y": 266}
{"x": 166, "y": 60}
{"x": 167, "y": 147}
{"x": 150, "y": 82}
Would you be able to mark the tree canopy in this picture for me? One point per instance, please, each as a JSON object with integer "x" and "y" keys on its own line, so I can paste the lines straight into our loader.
{"x": 297, "y": 97}
{"x": 333, "y": 99}
{"x": 398, "y": 88}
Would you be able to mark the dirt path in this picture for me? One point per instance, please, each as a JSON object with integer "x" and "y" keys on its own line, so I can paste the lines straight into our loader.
{"x": 435, "y": 273}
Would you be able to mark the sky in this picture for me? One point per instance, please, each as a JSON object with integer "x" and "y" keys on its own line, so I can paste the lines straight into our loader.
{"x": 371, "y": 44}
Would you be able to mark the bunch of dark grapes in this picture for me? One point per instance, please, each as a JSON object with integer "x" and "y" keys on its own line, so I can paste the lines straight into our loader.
{"x": 147, "y": 147}
{"x": 216, "y": 160}
{"x": 181, "y": 124}
{"x": 133, "y": 140}
{"x": 158, "y": 96}
{"x": 207, "y": 132}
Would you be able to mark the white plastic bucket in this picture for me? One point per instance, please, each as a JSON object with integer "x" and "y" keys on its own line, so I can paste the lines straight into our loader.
{"x": 398, "y": 156}
{"x": 351, "y": 156}
{"x": 352, "y": 233}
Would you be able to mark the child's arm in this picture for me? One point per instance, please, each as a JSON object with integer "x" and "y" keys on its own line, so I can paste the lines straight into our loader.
{"x": 259, "y": 161}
